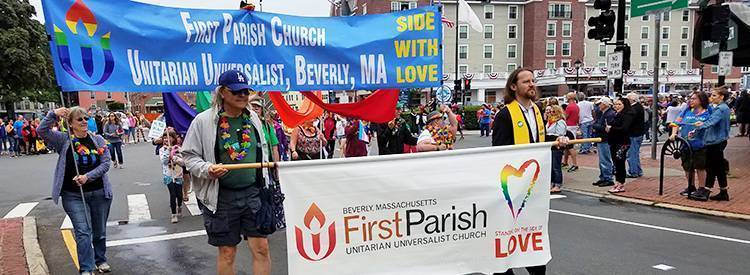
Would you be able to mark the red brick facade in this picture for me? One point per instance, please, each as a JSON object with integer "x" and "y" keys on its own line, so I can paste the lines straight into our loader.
{"x": 535, "y": 18}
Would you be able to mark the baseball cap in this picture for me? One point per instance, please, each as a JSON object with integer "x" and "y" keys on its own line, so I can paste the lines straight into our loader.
{"x": 434, "y": 115}
{"x": 257, "y": 103}
{"x": 234, "y": 80}
{"x": 604, "y": 100}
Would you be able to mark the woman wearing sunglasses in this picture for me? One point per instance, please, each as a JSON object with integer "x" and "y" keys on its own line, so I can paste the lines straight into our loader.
{"x": 81, "y": 169}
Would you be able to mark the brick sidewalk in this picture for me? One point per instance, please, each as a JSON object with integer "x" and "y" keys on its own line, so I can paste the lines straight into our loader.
{"x": 647, "y": 187}
{"x": 12, "y": 254}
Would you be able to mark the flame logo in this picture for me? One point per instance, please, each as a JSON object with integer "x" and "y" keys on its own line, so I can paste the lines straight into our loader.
{"x": 315, "y": 214}
{"x": 508, "y": 171}
{"x": 79, "y": 12}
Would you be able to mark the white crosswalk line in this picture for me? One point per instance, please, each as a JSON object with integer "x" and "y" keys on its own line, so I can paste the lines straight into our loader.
{"x": 192, "y": 205}
{"x": 21, "y": 210}
{"x": 663, "y": 267}
{"x": 138, "y": 208}
{"x": 67, "y": 224}
{"x": 557, "y": 196}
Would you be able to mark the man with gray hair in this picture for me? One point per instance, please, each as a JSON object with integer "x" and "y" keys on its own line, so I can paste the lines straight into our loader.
{"x": 604, "y": 116}
{"x": 636, "y": 137}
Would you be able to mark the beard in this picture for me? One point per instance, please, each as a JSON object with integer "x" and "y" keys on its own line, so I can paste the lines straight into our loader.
{"x": 528, "y": 93}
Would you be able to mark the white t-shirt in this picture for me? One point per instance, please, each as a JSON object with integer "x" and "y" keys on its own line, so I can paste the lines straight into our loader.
{"x": 585, "y": 111}
{"x": 425, "y": 136}
{"x": 340, "y": 128}
{"x": 672, "y": 113}
{"x": 531, "y": 119}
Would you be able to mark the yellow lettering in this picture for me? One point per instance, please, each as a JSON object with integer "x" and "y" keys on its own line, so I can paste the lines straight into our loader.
{"x": 402, "y": 48}
{"x": 430, "y": 21}
{"x": 433, "y": 72}
{"x": 419, "y": 21}
{"x": 401, "y": 21}
{"x": 399, "y": 79}
{"x": 411, "y": 74}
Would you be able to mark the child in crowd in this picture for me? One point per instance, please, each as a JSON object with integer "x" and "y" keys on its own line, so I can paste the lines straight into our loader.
{"x": 171, "y": 163}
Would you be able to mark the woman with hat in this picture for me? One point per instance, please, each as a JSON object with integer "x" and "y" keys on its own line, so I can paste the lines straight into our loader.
{"x": 438, "y": 136}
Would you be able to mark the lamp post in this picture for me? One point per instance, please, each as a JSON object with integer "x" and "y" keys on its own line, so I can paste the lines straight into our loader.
{"x": 701, "y": 77}
{"x": 578, "y": 70}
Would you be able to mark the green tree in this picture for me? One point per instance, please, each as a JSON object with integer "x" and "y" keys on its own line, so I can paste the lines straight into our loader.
{"x": 25, "y": 61}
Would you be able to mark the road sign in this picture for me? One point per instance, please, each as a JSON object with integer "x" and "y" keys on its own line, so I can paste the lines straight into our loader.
{"x": 641, "y": 7}
{"x": 725, "y": 63}
{"x": 614, "y": 65}
{"x": 444, "y": 94}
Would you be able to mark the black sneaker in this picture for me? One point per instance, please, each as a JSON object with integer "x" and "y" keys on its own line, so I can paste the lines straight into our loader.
{"x": 722, "y": 196}
{"x": 700, "y": 195}
{"x": 606, "y": 183}
{"x": 597, "y": 182}
{"x": 632, "y": 176}
{"x": 687, "y": 191}
{"x": 573, "y": 168}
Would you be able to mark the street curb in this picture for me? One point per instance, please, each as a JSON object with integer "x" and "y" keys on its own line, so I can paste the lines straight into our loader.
{"x": 696, "y": 210}
{"x": 34, "y": 257}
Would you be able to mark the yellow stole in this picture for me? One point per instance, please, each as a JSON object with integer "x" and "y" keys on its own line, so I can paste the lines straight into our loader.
{"x": 520, "y": 129}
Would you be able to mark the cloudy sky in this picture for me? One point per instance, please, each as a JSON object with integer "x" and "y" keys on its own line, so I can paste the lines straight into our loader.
{"x": 289, "y": 7}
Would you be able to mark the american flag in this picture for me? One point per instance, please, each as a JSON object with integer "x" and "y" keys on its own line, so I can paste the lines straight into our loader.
{"x": 447, "y": 22}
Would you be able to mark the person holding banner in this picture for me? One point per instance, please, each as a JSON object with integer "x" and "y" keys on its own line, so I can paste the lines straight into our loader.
{"x": 81, "y": 180}
{"x": 520, "y": 122}
{"x": 437, "y": 136}
{"x": 229, "y": 133}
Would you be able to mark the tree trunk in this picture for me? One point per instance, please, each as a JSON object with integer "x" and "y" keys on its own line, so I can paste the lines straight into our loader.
{"x": 10, "y": 109}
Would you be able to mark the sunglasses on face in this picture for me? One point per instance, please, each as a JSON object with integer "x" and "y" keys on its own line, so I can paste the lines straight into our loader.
{"x": 241, "y": 92}
{"x": 82, "y": 118}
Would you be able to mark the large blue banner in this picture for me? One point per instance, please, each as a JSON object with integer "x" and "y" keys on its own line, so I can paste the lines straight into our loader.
{"x": 129, "y": 46}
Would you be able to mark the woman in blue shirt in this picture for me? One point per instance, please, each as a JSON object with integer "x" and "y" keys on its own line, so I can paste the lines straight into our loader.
{"x": 686, "y": 124}
{"x": 717, "y": 134}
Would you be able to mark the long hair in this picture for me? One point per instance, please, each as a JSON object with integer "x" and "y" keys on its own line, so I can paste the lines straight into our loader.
{"x": 218, "y": 101}
{"x": 117, "y": 119}
{"x": 703, "y": 98}
{"x": 510, "y": 95}
{"x": 625, "y": 104}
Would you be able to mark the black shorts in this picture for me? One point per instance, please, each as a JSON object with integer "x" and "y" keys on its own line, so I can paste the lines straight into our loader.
{"x": 698, "y": 160}
{"x": 234, "y": 219}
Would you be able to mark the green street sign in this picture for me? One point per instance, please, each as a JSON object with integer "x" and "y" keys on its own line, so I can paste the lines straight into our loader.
{"x": 641, "y": 7}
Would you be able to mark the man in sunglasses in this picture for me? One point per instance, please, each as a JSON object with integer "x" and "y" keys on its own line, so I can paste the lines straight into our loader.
{"x": 229, "y": 133}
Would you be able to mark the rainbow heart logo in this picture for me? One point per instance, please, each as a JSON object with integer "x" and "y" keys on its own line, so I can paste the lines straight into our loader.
{"x": 509, "y": 171}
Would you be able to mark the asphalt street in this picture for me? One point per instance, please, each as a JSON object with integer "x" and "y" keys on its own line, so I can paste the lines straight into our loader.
{"x": 588, "y": 235}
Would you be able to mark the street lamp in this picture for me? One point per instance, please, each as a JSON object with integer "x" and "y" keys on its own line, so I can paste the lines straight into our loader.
{"x": 578, "y": 70}
{"x": 701, "y": 77}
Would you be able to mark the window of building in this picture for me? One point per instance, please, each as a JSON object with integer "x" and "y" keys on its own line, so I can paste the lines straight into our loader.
{"x": 489, "y": 11}
{"x": 512, "y": 12}
{"x": 559, "y": 11}
{"x": 665, "y": 16}
{"x": 665, "y": 50}
{"x": 601, "y": 64}
{"x": 665, "y": 33}
{"x": 551, "y": 29}
{"x": 399, "y": 6}
{"x": 487, "y": 68}
{"x": 550, "y": 48}
{"x": 93, "y": 95}
{"x": 644, "y": 32}
{"x": 683, "y": 50}
{"x": 512, "y": 51}
{"x": 567, "y": 29}
{"x": 686, "y": 15}
{"x": 565, "y": 63}
{"x": 663, "y": 65}
{"x": 745, "y": 69}
{"x": 109, "y": 95}
{"x": 463, "y": 31}
{"x": 413, "y": 5}
{"x": 683, "y": 65}
{"x": 565, "y": 48}
{"x": 627, "y": 30}
{"x": 462, "y": 69}
{"x": 512, "y": 31}
{"x": 463, "y": 51}
{"x": 644, "y": 65}
{"x": 685, "y": 33}
{"x": 488, "y": 49}
{"x": 644, "y": 18}
{"x": 602, "y": 50}
{"x": 512, "y": 67}
{"x": 550, "y": 64}
{"x": 395, "y": 6}
{"x": 644, "y": 49}
{"x": 489, "y": 31}
{"x": 714, "y": 69}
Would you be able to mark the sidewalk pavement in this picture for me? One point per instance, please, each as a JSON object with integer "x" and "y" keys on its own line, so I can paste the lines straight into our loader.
{"x": 19, "y": 247}
{"x": 645, "y": 190}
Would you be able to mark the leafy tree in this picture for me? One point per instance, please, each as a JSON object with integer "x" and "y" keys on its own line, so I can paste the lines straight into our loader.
{"x": 25, "y": 61}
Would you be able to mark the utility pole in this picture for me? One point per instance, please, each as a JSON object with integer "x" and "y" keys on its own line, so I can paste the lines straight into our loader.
{"x": 620, "y": 37}
{"x": 655, "y": 90}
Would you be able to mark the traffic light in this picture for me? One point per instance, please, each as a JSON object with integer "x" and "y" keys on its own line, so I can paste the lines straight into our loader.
{"x": 720, "y": 23}
{"x": 625, "y": 58}
{"x": 467, "y": 84}
{"x": 457, "y": 85}
{"x": 603, "y": 26}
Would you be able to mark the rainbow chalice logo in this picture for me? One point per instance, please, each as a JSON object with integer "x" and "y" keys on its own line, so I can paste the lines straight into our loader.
{"x": 509, "y": 171}
{"x": 79, "y": 12}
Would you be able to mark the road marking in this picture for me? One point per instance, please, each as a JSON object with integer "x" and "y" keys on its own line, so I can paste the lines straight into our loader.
{"x": 21, "y": 210}
{"x": 156, "y": 238}
{"x": 192, "y": 204}
{"x": 70, "y": 243}
{"x": 653, "y": 227}
{"x": 557, "y": 196}
{"x": 663, "y": 267}
{"x": 138, "y": 208}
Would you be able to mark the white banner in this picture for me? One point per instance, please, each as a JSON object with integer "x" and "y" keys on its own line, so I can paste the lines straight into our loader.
{"x": 451, "y": 212}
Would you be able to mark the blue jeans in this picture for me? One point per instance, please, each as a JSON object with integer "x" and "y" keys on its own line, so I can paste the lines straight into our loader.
{"x": 91, "y": 241}
{"x": 14, "y": 146}
{"x": 605, "y": 161}
{"x": 557, "y": 176}
{"x": 484, "y": 129}
{"x": 3, "y": 146}
{"x": 586, "y": 129}
{"x": 115, "y": 150}
{"x": 634, "y": 156}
